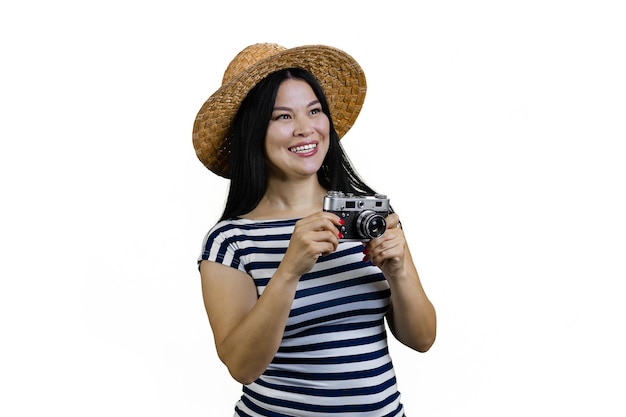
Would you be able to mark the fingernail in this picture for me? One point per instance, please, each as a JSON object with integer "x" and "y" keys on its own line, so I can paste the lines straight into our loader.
{"x": 365, "y": 258}
{"x": 366, "y": 251}
{"x": 340, "y": 235}
{"x": 342, "y": 221}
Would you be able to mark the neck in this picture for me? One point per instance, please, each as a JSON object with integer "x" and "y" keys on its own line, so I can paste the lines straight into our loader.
{"x": 290, "y": 199}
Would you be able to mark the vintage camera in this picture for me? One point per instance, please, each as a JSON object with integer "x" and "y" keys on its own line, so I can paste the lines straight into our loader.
{"x": 364, "y": 215}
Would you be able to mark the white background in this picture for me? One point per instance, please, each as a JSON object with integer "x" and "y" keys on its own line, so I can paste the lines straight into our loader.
{"x": 496, "y": 127}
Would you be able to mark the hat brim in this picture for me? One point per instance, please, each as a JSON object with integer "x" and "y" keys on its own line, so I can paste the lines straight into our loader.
{"x": 340, "y": 76}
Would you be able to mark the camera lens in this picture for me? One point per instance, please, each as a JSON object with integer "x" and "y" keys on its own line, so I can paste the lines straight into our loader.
{"x": 370, "y": 224}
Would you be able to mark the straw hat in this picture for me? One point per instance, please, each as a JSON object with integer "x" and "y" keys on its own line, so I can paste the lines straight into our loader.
{"x": 339, "y": 74}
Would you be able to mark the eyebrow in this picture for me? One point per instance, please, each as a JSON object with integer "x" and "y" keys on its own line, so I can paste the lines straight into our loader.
{"x": 314, "y": 102}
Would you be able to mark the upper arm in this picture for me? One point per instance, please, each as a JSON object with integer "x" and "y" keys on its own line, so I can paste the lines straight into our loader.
{"x": 229, "y": 295}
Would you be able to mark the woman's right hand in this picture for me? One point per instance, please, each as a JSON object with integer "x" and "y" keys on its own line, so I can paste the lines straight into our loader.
{"x": 313, "y": 236}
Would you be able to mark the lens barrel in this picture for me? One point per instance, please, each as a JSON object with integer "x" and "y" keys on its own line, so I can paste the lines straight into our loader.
{"x": 370, "y": 224}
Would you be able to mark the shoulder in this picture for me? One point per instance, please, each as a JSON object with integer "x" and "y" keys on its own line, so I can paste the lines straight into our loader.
{"x": 233, "y": 234}
{"x": 231, "y": 241}
{"x": 250, "y": 228}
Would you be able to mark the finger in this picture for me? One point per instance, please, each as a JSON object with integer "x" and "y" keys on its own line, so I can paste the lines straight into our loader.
{"x": 324, "y": 221}
{"x": 325, "y": 240}
{"x": 332, "y": 225}
{"x": 316, "y": 224}
{"x": 393, "y": 221}
{"x": 386, "y": 257}
{"x": 387, "y": 246}
{"x": 326, "y": 248}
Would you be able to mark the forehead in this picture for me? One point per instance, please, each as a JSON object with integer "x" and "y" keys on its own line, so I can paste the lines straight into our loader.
{"x": 295, "y": 89}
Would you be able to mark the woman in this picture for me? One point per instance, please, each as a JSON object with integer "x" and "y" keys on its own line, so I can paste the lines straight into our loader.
{"x": 298, "y": 314}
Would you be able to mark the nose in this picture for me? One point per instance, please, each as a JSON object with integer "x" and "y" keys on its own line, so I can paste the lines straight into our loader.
{"x": 303, "y": 127}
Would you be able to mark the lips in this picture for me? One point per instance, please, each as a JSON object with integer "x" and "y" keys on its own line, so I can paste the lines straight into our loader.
{"x": 303, "y": 149}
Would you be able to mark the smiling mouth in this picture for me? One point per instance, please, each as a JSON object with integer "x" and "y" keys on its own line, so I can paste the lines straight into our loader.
{"x": 303, "y": 148}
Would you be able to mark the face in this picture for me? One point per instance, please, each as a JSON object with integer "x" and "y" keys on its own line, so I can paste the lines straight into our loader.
{"x": 297, "y": 137}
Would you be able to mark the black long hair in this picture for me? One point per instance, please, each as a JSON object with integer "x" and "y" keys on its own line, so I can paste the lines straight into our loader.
{"x": 248, "y": 172}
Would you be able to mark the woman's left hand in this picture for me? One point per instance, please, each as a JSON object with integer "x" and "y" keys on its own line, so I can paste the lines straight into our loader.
{"x": 411, "y": 315}
{"x": 388, "y": 251}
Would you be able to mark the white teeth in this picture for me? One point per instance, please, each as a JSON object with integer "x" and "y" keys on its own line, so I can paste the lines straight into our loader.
{"x": 303, "y": 148}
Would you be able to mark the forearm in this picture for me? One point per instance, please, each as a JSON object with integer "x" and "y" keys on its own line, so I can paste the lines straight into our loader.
{"x": 411, "y": 317}
{"x": 250, "y": 347}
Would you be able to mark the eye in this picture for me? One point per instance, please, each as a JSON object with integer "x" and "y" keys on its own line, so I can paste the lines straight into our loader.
{"x": 316, "y": 110}
{"x": 281, "y": 116}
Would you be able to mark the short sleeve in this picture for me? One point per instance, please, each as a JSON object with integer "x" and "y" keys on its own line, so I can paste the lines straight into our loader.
{"x": 221, "y": 245}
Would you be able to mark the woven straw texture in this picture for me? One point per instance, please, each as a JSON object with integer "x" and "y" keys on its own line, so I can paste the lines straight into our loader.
{"x": 339, "y": 74}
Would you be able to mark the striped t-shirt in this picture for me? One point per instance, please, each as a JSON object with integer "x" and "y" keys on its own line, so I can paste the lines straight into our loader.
{"x": 333, "y": 359}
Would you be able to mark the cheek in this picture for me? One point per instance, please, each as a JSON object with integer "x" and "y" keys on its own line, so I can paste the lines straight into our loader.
{"x": 274, "y": 136}
{"x": 323, "y": 126}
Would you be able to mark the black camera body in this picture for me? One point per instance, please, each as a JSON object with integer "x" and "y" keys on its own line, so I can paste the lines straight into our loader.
{"x": 364, "y": 215}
